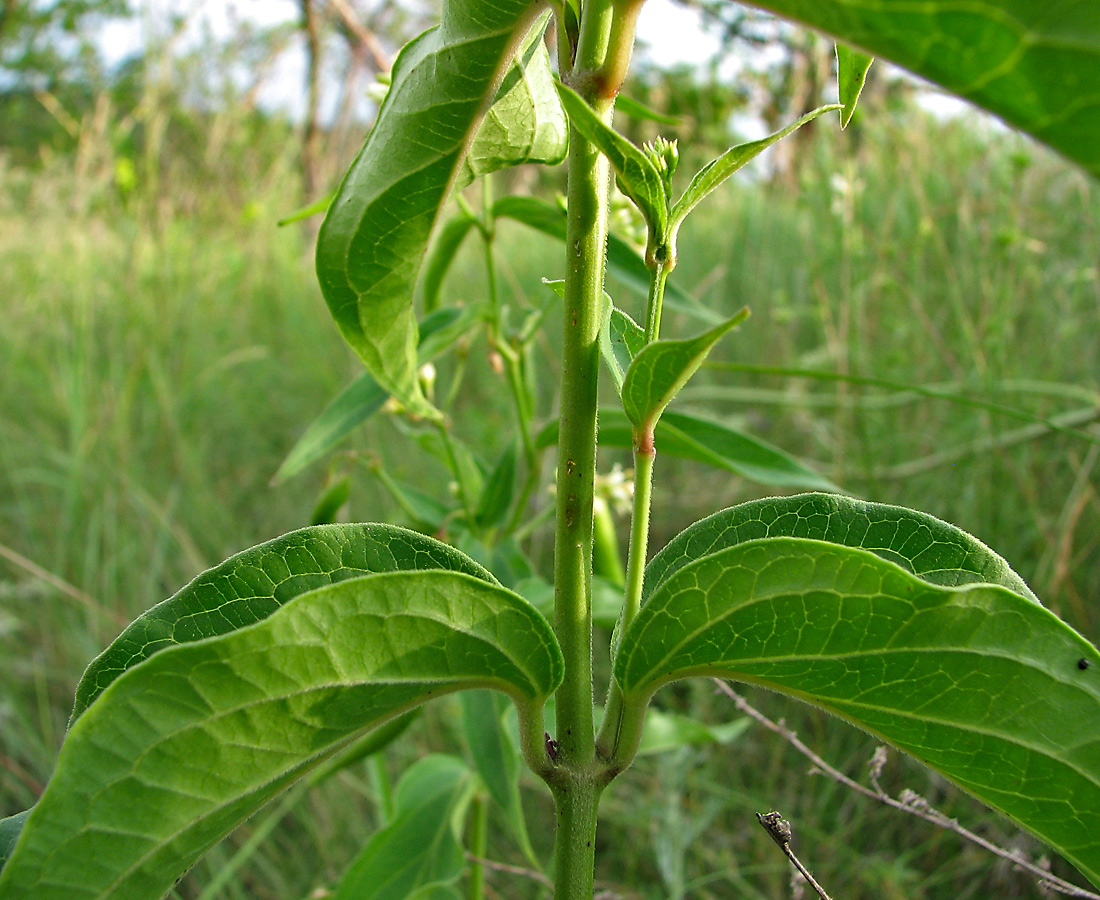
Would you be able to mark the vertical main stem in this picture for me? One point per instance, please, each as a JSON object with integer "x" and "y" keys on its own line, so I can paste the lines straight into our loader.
{"x": 577, "y": 777}
{"x": 585, "y": 241}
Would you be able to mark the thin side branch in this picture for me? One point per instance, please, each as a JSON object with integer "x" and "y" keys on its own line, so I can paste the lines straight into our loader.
{"x": 364, "y": 35}
{"x": 780, "y": 831}
{"x": 908, "y": 802}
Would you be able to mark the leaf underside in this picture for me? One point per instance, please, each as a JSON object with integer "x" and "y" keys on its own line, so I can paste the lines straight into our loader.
{"x": 1037, "y": 65}
{"x": 371, "y": 247}
{"x": 977, "y": 680}
{"x": 183, "y": 748}
{"x": 253, "y": 584}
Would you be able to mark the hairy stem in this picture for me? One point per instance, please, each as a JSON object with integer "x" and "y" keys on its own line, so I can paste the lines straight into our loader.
{"x": 577, "y": 776}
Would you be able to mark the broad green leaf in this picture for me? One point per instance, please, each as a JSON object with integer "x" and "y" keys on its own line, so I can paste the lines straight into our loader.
{"x": 526, "y": 122}
{"x": 1036, "y": 65}
{"x": 666, "y": 731}
{"x": 662, "y": 368}
{"x": 10, "y": 829}
{"x": 692, "y": 437}
{"x": 932, "y": 549}
{"x": 364, "y": 397}
{"x": 496, "y": 757}
{"x": 638, "y": 176}
{"x": 181, "y": 749}
{"x": 851, "y": 73}
{"x": 253, "y": 584}
{"x": 446, "y": 245}
{"x": 496, "y": 496}
{"x": 436, "y": 892}
{"x": 621, "y": 339}
{"x": 718, "y": 170}
{"x": 980, "y": 683}
{"x": 623, "y": 261}
{"x": 418, "y": 848}
{"x": 371, "y": 246}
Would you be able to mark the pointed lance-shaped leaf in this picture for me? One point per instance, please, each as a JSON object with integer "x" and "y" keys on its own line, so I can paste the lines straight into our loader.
{"x": 371, "y": 247}
{"x": 181, "y": 749}
{"x": 718, "y": 170}
{"x": 851, "y": 74}
{"x": 638, "y": 176}
{"x": 662, "y": 368}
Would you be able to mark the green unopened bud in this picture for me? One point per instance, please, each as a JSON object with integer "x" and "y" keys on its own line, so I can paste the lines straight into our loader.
{"x": 665, "y": 156}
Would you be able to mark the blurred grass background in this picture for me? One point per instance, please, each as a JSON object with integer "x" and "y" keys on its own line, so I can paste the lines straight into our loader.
{"x": 163, "y": 344}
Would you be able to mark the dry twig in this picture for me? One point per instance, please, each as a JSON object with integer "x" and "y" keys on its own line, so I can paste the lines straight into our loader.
{"x": 908, "y": 801}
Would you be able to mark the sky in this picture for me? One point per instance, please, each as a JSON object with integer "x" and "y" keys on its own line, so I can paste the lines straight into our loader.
{"x": 668, "y": 34}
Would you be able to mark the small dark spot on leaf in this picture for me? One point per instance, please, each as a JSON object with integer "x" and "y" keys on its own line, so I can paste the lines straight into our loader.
{"x": 1082, "y": 664}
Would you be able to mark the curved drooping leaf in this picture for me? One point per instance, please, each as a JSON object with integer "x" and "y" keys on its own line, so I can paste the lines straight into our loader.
{"x": 1037, "y": 65}
{"x": 851, "y": 74}
{"x": 638, "y": 175}
{"x": 662, "y": 368}
{"x": 418, "y": 848}
{"x": 922, "y": 544}
{"x": 253, "y": 584}
{"x": 181, "y": 749}
{"x": 621, "y": 339}
{"x": 371, "y": 247}
{"x": 973, "y": 678}
{"x": 712, "y": 443}
{"x": 526, "y": 122}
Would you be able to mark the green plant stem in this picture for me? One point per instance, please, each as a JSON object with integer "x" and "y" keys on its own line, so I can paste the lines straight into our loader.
{"x": 656, "y": 300}
{"x": 585, "y": 241}
{"x": 577, "y": 776}
{"x": 609, "y": 739}
{"x": 479, "y": 828}
{"x": 383, "y": 791}
{"x": 464, "y": 492}
{"x": 576, "y": 803}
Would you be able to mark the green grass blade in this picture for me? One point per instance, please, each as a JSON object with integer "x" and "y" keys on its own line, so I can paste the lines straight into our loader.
{"x": 443, "y": 253}
{"x": 1036, "y": 65}
{"x": 978, "y": 682}
{"x": 253, "y": 584}
{"x": 695, "y": 438}
{"x": 662, "y": 368}
{"x": 371, "y": 247}
{"x": 851, "y": 74}
{"x": 181, "y": 749}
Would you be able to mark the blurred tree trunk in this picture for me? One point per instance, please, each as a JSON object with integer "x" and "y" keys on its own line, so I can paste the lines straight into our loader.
{"x": 311, "y": 138}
